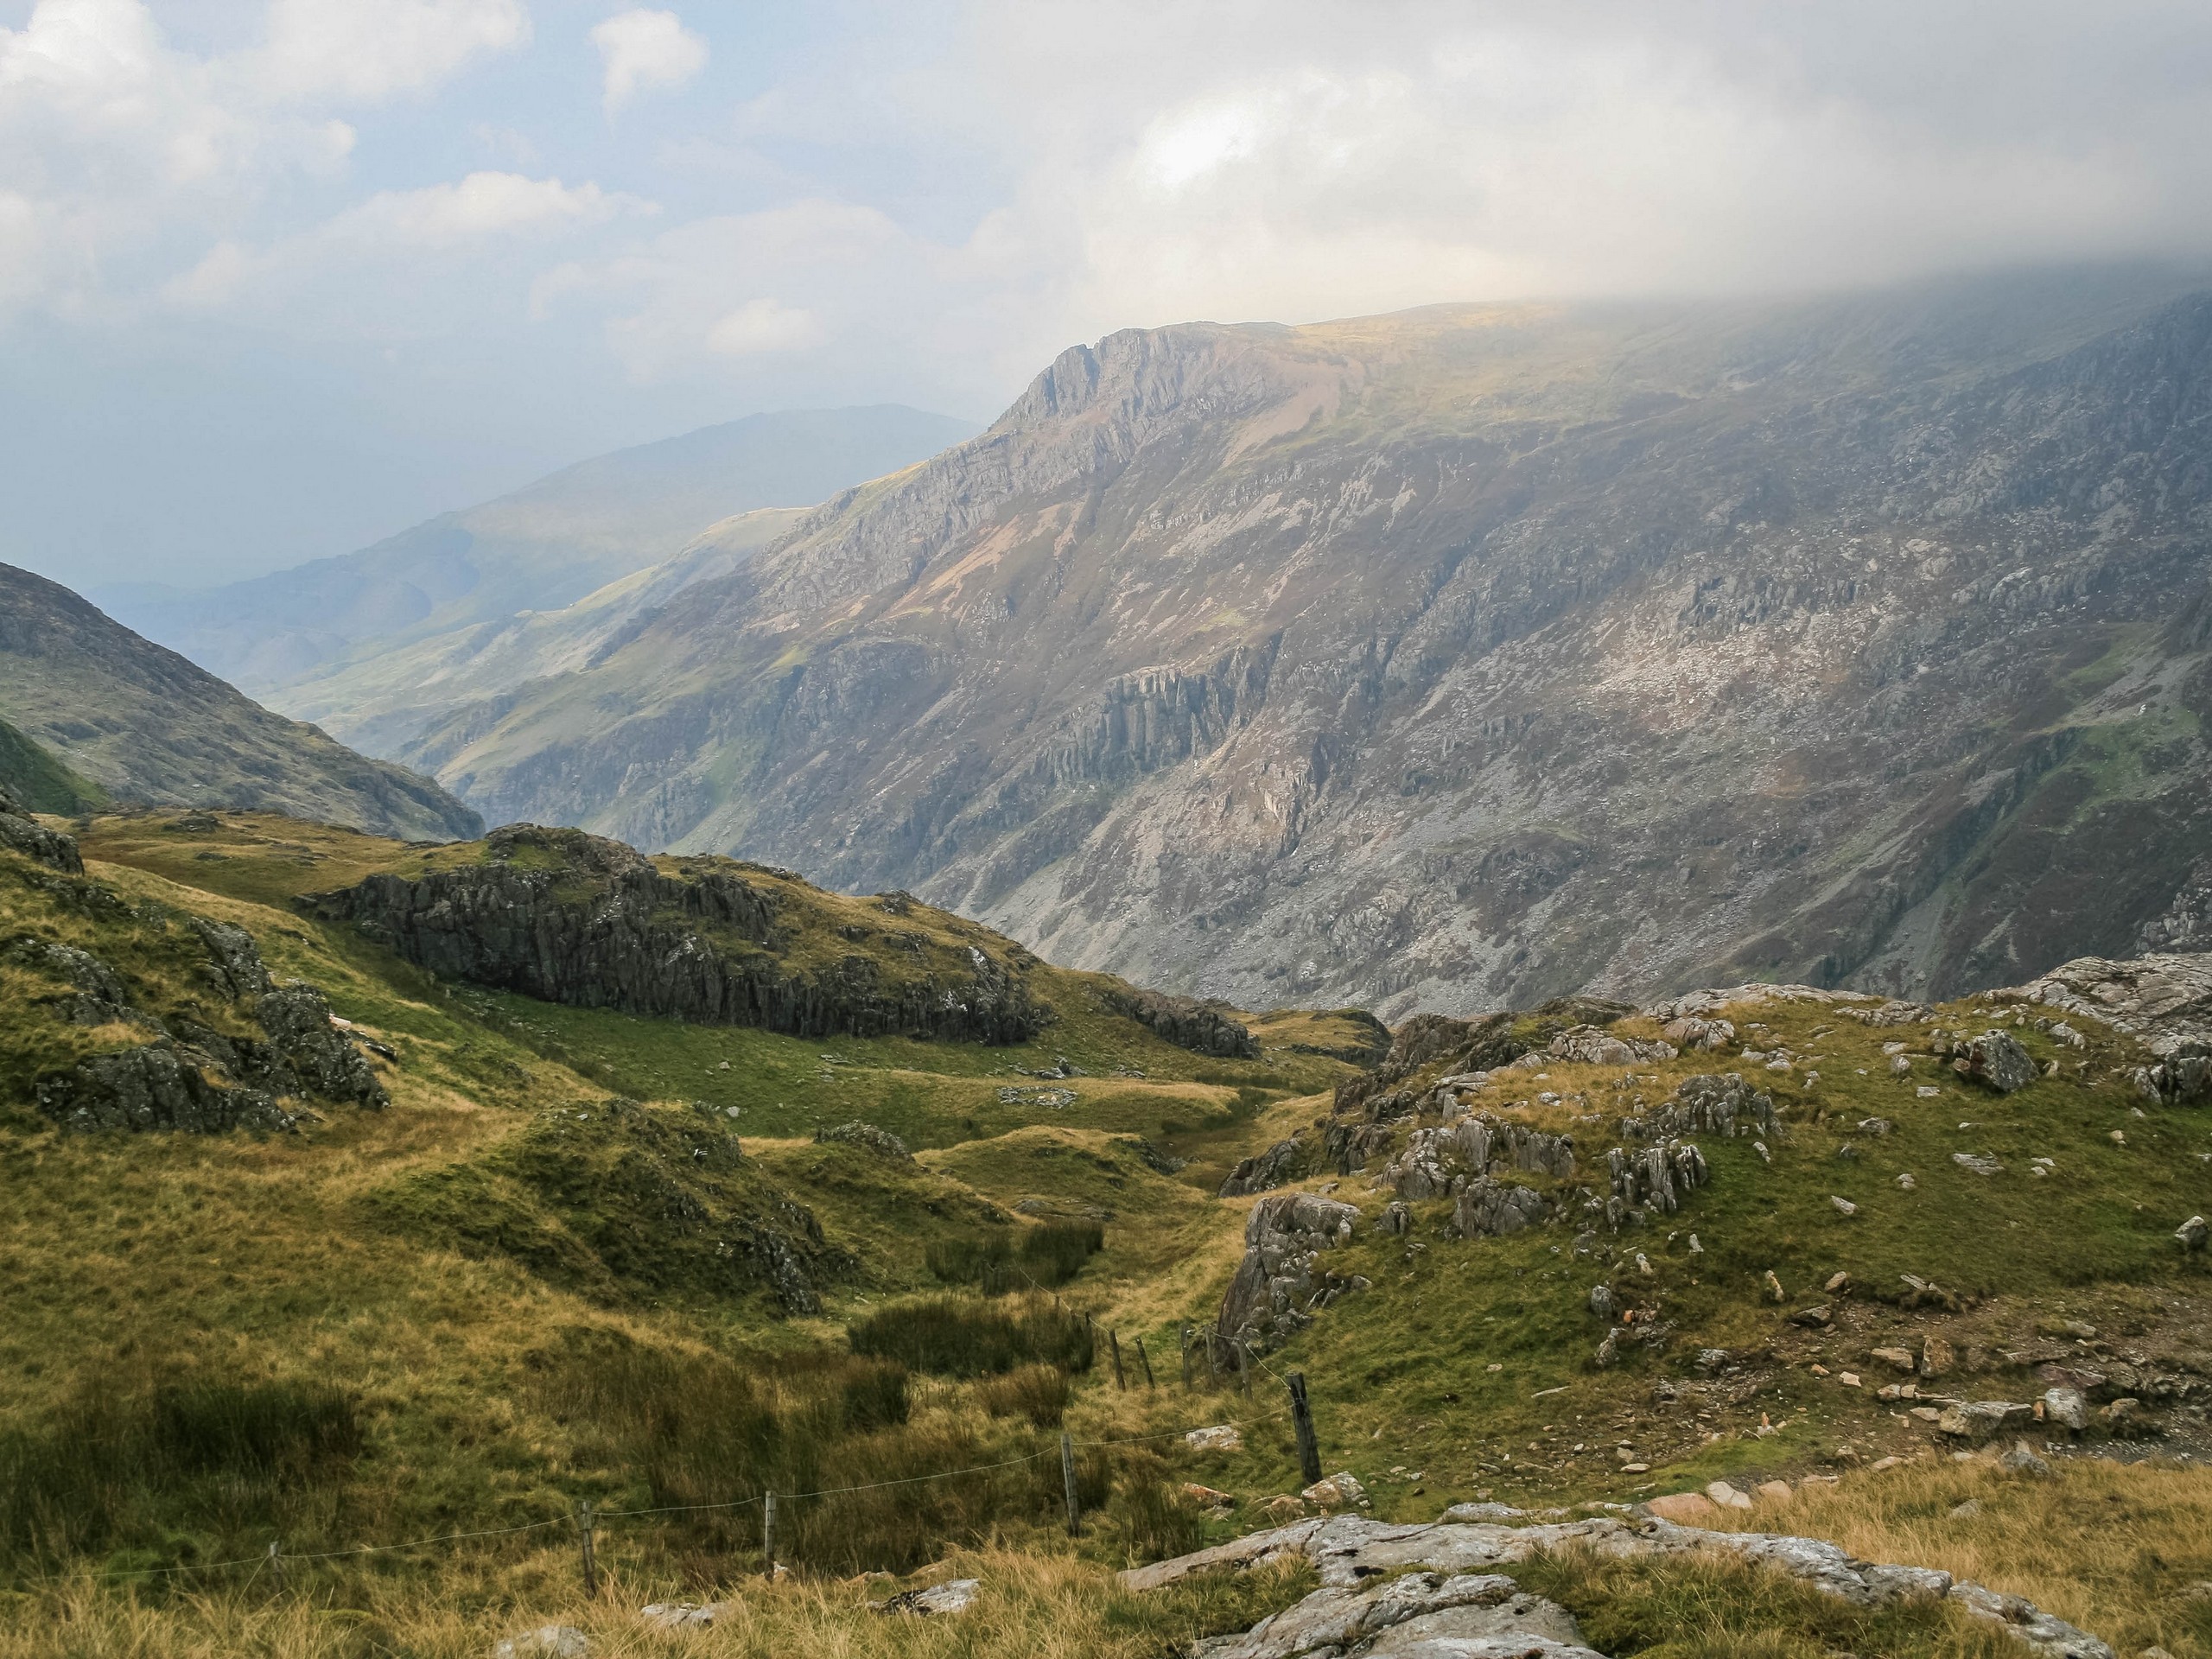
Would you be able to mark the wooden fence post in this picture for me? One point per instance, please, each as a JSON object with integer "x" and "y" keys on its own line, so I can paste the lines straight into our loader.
{"x": 1187, "y": 1358}
{"x": 1067, "y": 1478}
{"x": 1301, "y": 1416}
{"x": 583, "y": 1535}
{"x": 1243, "y": 1367}
{"x": 768, "y": 1536}
{"x": 1144, "y": 1360}
{"x": 276, "y": 1567}
{"x": 1115, "y": 1343}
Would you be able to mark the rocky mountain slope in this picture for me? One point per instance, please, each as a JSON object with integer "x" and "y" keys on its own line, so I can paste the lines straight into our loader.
{"x": 545, "y": 546}
{"x": 123, "y": 717}
{"x": 1467, "y": 656}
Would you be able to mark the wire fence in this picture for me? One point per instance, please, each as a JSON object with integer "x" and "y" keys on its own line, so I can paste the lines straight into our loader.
{"x": 587, "y": 1518}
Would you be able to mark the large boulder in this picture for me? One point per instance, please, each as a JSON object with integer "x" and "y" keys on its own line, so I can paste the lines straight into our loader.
{"x": 22, "y": 833}
{"x": 1996, "y": 1060}
{"x": 1281, "y": 1164}
{"x": 1280, "y": 1285}
{"x": 1497, "y": 1208}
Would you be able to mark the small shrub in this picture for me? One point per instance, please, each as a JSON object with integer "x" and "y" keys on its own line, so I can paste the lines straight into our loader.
{"x": 1036, "y": 1392}
{"x": 967, "y": 1261}
{"x": 950, "y": 1336}
{"x": 1055, "y": 1253}
{"x": 875, "y": 1395}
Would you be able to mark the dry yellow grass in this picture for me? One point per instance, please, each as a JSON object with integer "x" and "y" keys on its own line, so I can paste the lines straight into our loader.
{"x": 1034, "y": 1605}
{"x": 2116, "y": 1549}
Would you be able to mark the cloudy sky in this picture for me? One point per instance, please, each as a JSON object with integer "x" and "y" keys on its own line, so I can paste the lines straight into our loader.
{"x": 280, "y": 276}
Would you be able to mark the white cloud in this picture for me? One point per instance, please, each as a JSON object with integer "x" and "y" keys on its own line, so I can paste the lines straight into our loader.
{"x": 765, "y": 326}
{"x": 641, "y": 49}
{"x": 480, "y": 205}
{"x": 366, "y": 52}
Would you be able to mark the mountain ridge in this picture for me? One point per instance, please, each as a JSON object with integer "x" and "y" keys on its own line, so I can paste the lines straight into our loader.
{"x": 542, "y": 547}
{"x": 1391, "y": 660}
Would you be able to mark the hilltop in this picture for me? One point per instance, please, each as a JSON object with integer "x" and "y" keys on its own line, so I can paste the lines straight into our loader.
{"x": 1471, "y": 656}
{"x": 470, "y": 1255}
{"x": 117, "y": 717}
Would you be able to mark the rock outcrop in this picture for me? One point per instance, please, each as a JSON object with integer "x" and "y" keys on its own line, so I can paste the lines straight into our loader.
{"x": 275, "y": 1041}
{"x": 1281, "y": 1164}
{"x": 22, "y": 833}
{"x": 1280, "y": 1284}
{"x": 1380, "y": 1579}
{"x": 570, "y": 917}
{"x": 1994, "y": 1060}
{"x": 2163, "y": 1000}
{"x": 1202, "y": 1027}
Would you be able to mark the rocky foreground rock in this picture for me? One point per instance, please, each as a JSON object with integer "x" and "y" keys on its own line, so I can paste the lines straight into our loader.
{"x": 1427, "y": 1591}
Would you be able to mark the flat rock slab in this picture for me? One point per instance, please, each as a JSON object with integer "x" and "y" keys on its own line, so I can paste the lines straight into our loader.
{"x": 1456, "y": 1579}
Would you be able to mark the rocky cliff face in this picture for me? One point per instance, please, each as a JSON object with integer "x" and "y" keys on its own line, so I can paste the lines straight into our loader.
{"x": 1467, "y": 658}
{"x": 570, "y": 917}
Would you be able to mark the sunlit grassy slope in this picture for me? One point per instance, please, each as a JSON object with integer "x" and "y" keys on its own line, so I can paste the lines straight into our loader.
{"x": 503, "y": 1295}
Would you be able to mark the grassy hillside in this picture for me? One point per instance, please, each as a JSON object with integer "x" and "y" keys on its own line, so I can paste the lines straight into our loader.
{"x": 145, "y": 725}
{"x": 35, "y": 778}
{"x": 578, "y": 1258}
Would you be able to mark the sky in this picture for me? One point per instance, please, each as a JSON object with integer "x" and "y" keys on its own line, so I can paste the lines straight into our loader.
{"x": 279, "y": 277}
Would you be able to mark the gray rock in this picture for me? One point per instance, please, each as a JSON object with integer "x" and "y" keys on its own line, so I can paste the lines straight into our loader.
{"x": 2066, "y": 1407}
{"x": 1281, "y": 1164}
{"x": 2193, "y": 1233}
{"x": 1488, "y": 1206}
{"x": 2046, "y": 1636}
{"x": 157, "y": 1086}
{"x": 1980, "y": 1419}
{"x": 1280, "y": 1283}
{"x": 1395, "y": 1221}
{"x": 576, "y": 918}
{"x": 2022, "y": 1460}
{"x": 881, "y": 1143}
{"x": 682, "y": 1615}
{"x": 1202, "y": 1027}
{"x": 1352, "y": 1552}
{"x": 1996, "y": 1060}
{"x": 938, "y": 1600}
{"x": 1601, "y": 1301}
{"x": 21, "y": 833}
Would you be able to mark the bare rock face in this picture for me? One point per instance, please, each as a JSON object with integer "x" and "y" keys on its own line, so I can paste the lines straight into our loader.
{"x": 2166, "y": 1000}
{"x": 570, "y": 917}
{"x": 1281, "y": 1283}
{"x": 1497, "y": 1208}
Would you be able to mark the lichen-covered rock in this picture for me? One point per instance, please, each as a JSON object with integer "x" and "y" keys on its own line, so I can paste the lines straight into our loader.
{"x": 1708, "y": 1103}
{"x": 1593, "y": 1046}
{"x": 22, "y": 833}
{"x": 1361, "y": 1561}
{"x": 1653, "y": 1179}
{"x": 1995, "y": 1059}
